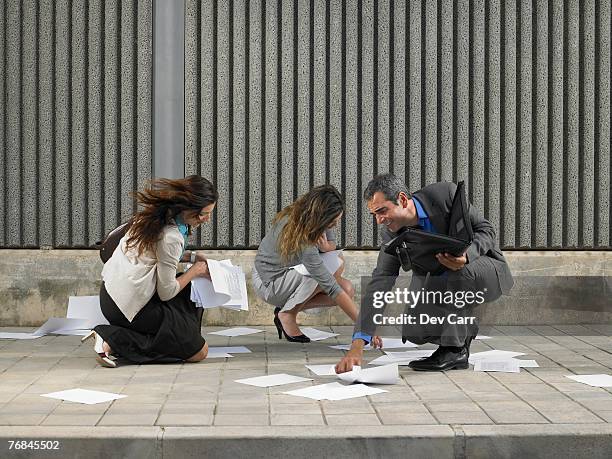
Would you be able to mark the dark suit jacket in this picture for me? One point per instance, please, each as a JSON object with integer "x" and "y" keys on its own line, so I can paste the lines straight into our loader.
{"x": 437, "y": 200}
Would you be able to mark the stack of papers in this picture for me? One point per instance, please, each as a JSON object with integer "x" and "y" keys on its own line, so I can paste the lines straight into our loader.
{"x": 593, "y": 380}
{"x": 335, "y": 391}
{"x": 502, "y": 361}
{"x": 331, "y": 260}
{"x": 272, "y": 380}
{"x": 236, "y": 331}
{"x": 227, "y": 287}
{"x": 317, "y": 335}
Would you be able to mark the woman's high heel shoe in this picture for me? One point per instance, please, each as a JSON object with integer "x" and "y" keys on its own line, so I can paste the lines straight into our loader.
{"x": 101, "y": 357}
{"x": 281, "y": 331}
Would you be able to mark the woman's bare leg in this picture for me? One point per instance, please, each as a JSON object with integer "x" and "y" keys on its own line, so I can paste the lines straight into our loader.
{"x": 200, "y": 355}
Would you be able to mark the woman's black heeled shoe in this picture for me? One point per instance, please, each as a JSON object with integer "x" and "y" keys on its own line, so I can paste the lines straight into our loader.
{"x": 281, "y": 331}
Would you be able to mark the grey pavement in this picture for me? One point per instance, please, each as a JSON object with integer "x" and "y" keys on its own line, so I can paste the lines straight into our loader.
{"x": 177, "y": 406}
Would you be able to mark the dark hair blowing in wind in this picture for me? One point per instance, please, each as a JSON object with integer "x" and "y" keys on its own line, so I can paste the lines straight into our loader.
{"x": 161, "y": 201}
{"x": 308, "y": 218}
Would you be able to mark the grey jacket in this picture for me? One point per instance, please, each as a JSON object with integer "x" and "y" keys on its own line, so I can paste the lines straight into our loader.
{"x": 437, "y": 200}
{"x": 269, "y": 264}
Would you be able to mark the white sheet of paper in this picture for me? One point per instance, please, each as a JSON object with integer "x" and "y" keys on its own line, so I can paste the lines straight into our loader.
{"x": 528, "y": 363}
{"x": 385, "y": 374}
{"x": 396, "y": 343}
{"x": 600, "y": 380}
{"x": 86, "y": 307}
{"x": 89, "y": 397}
{"x": 504, "y": 366}
{"x": 317, "y": 335}
{"x": 226, "y": 288}
{"x": 494, "y": 354}
{"x": 237, "y": 331}
{"x": 482, "y": 337}
{"x": 231, "y": 349}
{"x": 272, "y": 380}
{"x": 331, "y": 260}
{"x": 73, "y": 332}
{"x": 323, "y": 370}
{"x": 401, "y": 358}
{"x": 57, "y": 325}
{"x": 318, "y": 392}
{"x": 346, "y": 347}
{"x": 217, "y": 354}
{"x": 354, "y": 391}
{"x": 11, "y": 335}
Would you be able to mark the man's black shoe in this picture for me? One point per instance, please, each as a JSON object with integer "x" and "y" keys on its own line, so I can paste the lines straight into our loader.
{"x": 444, "y": 358}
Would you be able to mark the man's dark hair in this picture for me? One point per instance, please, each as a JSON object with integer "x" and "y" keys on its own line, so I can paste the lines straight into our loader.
{"x": 390, "y": 185}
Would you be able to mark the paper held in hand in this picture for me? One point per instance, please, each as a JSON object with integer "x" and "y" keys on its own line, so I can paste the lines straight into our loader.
{"x": 227, "y": 288}
{"x": 331, "y": 260}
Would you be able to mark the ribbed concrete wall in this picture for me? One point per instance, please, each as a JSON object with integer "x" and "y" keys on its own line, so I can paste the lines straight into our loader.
{"x": 75, "y": 107}
{"x": 511, "y": 96}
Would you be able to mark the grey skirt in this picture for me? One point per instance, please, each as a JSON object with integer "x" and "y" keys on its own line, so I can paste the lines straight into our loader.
{"x": 286, "y": 291}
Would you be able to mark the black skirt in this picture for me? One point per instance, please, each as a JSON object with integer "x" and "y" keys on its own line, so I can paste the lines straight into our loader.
{"x": 161, "y": 332}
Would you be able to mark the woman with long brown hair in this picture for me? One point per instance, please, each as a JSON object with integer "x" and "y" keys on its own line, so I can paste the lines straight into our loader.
{"x": 299, "y": 233}
{"x": 151, "y": 315}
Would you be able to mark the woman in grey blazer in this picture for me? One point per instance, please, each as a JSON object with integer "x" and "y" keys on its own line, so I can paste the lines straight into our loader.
{"x": 299, "y": 233}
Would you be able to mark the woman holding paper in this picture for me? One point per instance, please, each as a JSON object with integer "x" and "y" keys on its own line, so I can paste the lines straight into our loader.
{"x": 299, "y": 234}
{"x": 148, "y": 306}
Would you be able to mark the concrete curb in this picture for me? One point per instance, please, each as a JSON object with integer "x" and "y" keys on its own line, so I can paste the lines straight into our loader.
{"x": 440, "y": 441}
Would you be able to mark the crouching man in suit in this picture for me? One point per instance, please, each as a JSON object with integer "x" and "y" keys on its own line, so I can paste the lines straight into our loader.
{"x": 482, "y": 270}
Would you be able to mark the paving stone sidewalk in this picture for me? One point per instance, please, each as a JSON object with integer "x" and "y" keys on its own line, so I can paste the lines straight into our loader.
{"x": 205, "y": 394}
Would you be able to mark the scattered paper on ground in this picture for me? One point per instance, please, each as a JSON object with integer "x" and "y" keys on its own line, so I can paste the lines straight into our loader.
{"x": 89, "y": 397}
{"x": 505, "y": 366}
{"x": 217, "y": 354}
{"x": 59, "y": 325}
{"x": 401, "y": 358}
{"x": 86, "y": 307}
{"x": 11, "y": 335}
{"x": 272, "y": 380}
{"x": 237, "y": 331}
{"x": 482, "y": 337}
{"x": 385, "y": 374}
{"x": 323, "y": 370}
{"x": 230, "y": 349}
{"x": 600, "y": 380}
{"x": 317, "y": 335}
{"x": 335, "y": 391}
{"x": 494, "y": 355}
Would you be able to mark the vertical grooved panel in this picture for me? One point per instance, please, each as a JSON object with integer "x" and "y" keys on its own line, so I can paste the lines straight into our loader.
{"x": 477, "y": 114}
{"x": 255, "y": 152}
{"x": 76, "y": 81}
{"x": 571, "y": 123}
{"x": 319, "y": 93}
{"x": 46, "y": 144}
{"x": 446, "y": 90}
{"x": 336, "y": 112}
{"x": 239, "y": 134}
{"x": 13, "y": 212}
{"x": 222, "y": 160}
{"x": 29, "y": 133}
{"x": 350, "y": 191}
{"x": 366, "y": 129}
{"x": 429, "y": 106}
{"x": 603, "y": 189}
{"x": 587, "y": 109}
{"x": 414, "y": 160}
{"x": 540, "y": 113}
{"x": 286, "y": 106}
{"x": 303, "y": 91}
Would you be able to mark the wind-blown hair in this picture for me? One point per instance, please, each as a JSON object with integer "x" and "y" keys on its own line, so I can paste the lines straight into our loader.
{"x": 307, "y": 219}
{"x": 161, "y": 201}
